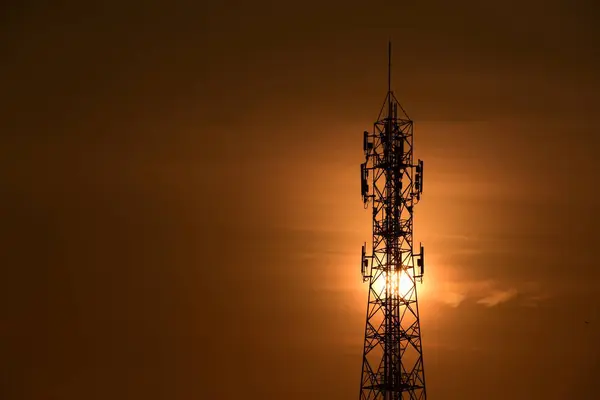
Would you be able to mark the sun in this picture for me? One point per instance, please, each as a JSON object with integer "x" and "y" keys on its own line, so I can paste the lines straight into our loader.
{"x": 400, "y": 283}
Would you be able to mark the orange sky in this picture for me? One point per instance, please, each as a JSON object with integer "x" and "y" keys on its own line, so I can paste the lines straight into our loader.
{"x": 182, "y": 208}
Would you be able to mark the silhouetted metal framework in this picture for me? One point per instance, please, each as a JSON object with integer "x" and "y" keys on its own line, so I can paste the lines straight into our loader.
{"x": 392, "y": 365}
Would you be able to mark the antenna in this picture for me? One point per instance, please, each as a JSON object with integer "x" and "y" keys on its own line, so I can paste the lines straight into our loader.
{"x": 389, "y": 66}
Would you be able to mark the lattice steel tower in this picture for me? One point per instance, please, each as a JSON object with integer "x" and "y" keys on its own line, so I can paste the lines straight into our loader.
{"x": 390, "y": 180}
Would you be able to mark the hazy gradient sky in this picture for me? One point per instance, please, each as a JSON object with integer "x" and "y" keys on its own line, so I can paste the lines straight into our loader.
{"x": 181, "y": 216}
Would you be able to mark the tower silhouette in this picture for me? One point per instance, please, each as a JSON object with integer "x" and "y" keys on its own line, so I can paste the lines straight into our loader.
{"x": 392, "y": 365}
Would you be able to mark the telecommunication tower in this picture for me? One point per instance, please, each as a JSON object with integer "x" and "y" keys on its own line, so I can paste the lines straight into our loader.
{"x": 392, "y": 366}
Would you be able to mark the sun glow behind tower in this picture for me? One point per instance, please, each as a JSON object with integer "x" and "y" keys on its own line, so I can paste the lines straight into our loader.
{"x": 399, "y": 283}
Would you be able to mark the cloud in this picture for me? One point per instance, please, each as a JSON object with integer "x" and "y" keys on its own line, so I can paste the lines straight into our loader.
{"x": 498, "y": 296}
{"x": 534, "y": 301}
{"x": 489, "y": 293}
{"x": 453, "y": 299}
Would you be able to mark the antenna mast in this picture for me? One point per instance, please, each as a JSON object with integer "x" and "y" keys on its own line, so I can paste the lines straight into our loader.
{"x": 392, "y": 367}
{"x": 389, "y": 67}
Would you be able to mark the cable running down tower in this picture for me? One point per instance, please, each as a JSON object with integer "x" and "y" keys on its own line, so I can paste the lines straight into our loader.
{"x": 392, "y": 366}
